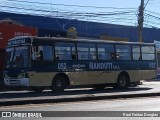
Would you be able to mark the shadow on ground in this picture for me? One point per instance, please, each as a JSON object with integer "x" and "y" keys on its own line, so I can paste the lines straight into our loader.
{"x": 68, "y": 92}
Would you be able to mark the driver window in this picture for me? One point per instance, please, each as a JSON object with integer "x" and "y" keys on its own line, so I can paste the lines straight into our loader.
{"x": 42, "y": 53}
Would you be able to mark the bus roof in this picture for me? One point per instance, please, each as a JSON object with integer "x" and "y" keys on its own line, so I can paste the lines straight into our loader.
{"x": 79, "y": 40}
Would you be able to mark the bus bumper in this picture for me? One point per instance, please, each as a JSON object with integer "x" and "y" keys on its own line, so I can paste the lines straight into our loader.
{"x": 16, "y": 82}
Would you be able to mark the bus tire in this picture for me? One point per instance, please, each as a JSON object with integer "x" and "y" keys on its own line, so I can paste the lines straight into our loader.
{"x": 38, "y": 89}
{"x": 58, "y": 84}
{"x": 122, "y": 81}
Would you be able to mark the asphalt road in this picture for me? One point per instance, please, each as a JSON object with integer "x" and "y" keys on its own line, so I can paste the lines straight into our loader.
{"x": 130, "y": 104}
{"x": 26, "y": 97}
{"x": 135, "y": 107}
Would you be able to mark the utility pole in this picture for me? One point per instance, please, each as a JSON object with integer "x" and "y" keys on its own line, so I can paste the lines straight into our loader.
{"x": 140, "y": 21}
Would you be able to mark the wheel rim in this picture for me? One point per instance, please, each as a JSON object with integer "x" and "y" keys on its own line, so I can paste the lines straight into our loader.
{"x": 59, "y": 83}
{"x": 122, "y": 81}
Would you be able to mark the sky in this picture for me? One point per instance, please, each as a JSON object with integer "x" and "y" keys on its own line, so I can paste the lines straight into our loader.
{"x": 123, "y": 12}
{"x": 100, "y": 3}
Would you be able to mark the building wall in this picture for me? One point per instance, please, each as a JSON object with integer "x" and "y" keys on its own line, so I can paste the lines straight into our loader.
{"x": 84, "y": 28}
{"x": 8, "y": 31}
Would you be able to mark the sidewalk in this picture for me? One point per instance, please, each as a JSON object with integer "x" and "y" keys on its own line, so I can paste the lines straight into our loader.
{"x": 148, "y": 88}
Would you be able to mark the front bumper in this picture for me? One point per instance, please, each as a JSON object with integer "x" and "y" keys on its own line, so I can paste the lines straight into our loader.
{"x": 16, "y": 81}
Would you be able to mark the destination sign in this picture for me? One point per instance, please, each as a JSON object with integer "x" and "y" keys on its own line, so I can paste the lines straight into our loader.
{"x": 19, "y": 41}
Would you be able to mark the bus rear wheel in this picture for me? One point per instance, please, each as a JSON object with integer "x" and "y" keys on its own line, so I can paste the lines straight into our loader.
{"x": 58, "y": 84}
{"x": 122, "y": 81}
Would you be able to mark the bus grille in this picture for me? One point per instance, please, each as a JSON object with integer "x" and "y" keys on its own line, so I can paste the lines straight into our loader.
{"x": 14, "y": 82}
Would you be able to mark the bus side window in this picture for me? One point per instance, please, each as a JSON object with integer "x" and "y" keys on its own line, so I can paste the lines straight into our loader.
{"x": 112, "y": 56}
{"x": 136, "y": 52}
{"x": 66, "y": 55}
{"x": 148, "y": 53}
{"x": 40, "y": 55}
{"x": 73, "y": 56}
{"x": 105, "y": 52}
{"x": 64, "y": 51}
{"x": 57, "y": 57}
{"x": 123, "y": 52}
{"x": 34, "y": 55}
{"x": 86, "y": 51}
{"x": 34, "y": 52}
{"x": 48, "y": 53}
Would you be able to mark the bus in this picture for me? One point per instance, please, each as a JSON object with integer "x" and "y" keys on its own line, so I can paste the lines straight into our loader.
{"x": 56, "y": 63}
{"x": 8, "y": 30}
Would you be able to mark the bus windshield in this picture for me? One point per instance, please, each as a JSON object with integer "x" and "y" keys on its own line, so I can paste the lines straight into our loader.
{"x": 17, "y": 57}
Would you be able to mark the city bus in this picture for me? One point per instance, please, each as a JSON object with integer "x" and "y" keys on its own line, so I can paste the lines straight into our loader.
{"x": 57, "y": 63}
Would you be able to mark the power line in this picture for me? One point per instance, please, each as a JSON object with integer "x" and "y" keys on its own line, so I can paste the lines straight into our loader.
{"x": 67, "y": 5}
{"x": 146, "y": 4}
{"x": 116, "y": 15}
{"x": 74, "y": 13}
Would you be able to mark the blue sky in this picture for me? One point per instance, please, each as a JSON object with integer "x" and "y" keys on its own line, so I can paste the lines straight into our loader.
{"x": 101, "y": 3}
{"x": 152, "y": 5}
{"x": 152, "y": 15}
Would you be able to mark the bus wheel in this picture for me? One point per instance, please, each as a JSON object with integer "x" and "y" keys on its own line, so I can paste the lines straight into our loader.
{"x": 58, "y": 84}
{"x": 38, "y": 89}
{"x": 122, "y": 81}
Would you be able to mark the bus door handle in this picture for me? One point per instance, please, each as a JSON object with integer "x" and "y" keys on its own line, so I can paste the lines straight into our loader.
{"x": 78, "y": 70}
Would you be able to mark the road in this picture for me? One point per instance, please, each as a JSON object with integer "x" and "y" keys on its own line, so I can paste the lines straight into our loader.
{"x": 26, "y": 97}
{"x": 130, "y": 104}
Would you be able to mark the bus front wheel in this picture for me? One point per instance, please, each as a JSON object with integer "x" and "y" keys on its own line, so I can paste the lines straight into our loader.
{"x": 122, "y": 81}
{"x": 58, "y": 84}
